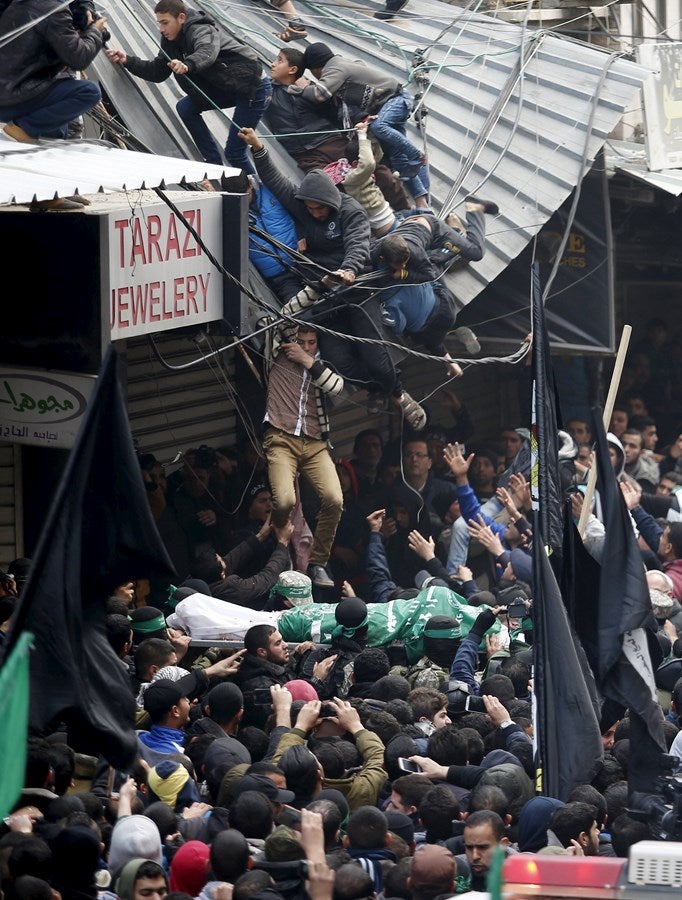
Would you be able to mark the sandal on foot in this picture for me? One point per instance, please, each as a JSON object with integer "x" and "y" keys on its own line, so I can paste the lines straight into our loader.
{"x": 293, "y": 32}
{"x": 413, "y": 414}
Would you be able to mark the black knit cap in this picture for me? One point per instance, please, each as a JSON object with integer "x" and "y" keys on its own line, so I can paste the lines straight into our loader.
{"x": 351, "y": 612}
{"x": 316, "y": 55}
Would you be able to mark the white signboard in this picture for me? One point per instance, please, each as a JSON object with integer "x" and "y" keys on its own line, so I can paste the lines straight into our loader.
{"x": 42, "y": 408}
{"x": 158, "y": 275}
{"x": 662, "y": 97}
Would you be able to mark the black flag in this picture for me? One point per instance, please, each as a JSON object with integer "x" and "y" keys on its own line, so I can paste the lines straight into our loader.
{"x": 626, "y": 625}
{"x": 568, "y": 741}
{"x": 569, "y": 738}
{"x": 98, "y": 535}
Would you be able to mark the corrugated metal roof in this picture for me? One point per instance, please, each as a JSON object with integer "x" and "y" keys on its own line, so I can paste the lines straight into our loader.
{"x": 63, "y": 168}
{"x": 524, "y": 140}
{"x": 630, "y": 158}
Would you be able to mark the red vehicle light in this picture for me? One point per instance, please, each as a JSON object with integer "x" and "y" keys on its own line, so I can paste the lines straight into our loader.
{"x": 533, "y": 875}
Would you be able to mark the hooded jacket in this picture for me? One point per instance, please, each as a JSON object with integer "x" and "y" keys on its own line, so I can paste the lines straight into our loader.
{"x": 219, "y": 64}
{"x": 125, "y": 885}
{"x": 339, "y": 242}
{"x": 30, "y": 63}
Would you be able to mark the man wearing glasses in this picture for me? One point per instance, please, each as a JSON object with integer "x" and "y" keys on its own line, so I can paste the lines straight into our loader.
{"x": 417, "y": 475}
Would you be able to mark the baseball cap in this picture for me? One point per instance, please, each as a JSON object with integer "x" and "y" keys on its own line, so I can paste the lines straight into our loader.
{"x": 263, "y": 785}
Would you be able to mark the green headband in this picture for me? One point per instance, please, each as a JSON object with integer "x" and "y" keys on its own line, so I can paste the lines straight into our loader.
{"x": 348, "y": 631}
{"x": 442, "y": 633}
{"x": 158, "y": 623}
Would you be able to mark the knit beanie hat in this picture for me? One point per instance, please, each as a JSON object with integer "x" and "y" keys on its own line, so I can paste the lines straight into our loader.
{"x": 147, "y": 622}
{"x": 316, "y": 55}
{"x": 75, "y": 857}
{"x": 189, "y": 869}
{"x": 301, "y": 690}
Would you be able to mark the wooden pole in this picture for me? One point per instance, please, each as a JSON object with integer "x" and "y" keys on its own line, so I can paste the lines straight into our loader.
{"x": 608, "y": 409}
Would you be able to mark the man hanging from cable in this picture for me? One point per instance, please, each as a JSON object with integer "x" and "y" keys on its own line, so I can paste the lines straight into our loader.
{"x": 411, "y": 259}
{"x": 215, "y": 70}
{"x": 334, "y": 235}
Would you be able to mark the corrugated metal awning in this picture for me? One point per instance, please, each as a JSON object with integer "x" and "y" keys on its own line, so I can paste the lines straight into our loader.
{"x": 64, "y": 168}
{"x": 629, "y": 158}
{"x": 515, "y": 113}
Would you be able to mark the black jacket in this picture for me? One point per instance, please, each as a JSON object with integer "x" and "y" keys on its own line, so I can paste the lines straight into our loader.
{"x": 30, "y": 63}
{"x": 220, "y": 65}
{"x": 303, "y": 125}
{"x": 255, "y": 673}
{"x": 340, "y": 241}
{"x": 251, "y": 591}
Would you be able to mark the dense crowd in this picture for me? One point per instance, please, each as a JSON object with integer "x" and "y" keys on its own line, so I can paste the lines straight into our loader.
{"x": 389, "y": 753}
{"x": 343, "y": 768}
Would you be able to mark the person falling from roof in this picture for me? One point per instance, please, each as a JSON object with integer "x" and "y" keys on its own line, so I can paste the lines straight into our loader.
{"x": 415, "y": 254}
{"x": 361, "y": 90}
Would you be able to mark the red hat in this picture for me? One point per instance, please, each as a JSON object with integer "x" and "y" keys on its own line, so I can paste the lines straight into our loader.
{"x": 301, "y": 690}
{"x": 189, "y": 868}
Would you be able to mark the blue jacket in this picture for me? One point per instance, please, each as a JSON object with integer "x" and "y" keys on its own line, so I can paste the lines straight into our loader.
{"x": 470, "y": 508}
{"x": 267, "y": 214}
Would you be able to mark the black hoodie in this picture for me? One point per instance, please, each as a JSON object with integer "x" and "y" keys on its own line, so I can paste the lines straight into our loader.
{"x": 341, "y": 241}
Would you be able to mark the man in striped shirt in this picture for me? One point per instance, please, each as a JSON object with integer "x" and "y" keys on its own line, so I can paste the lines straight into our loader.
{"x": 295, "y": 440}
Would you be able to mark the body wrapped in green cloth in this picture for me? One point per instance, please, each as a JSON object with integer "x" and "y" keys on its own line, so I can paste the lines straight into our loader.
{"x": 207, "y": 618}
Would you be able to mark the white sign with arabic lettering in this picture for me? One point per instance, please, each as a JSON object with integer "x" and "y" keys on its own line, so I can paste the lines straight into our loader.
{"x": 42, "y": 407}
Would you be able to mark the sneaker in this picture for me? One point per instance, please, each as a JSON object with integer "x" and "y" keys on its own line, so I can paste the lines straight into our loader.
{"x": 294, "y": 31}
{"x": 319, "y": 576}
{"x": 488, "y": 206}
{"x": 467, "y": 338}
{"x": 387, "y": 317}
{"x": 17, "y": 133}
{"x": 392, "y": 7}
{"x": 413, "y": 414}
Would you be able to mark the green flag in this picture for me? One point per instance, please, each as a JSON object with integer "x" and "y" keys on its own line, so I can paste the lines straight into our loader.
{"x": 14, "y": 696}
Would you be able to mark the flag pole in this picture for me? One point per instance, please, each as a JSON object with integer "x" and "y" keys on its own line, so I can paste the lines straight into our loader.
{"x": 608, "y": 409}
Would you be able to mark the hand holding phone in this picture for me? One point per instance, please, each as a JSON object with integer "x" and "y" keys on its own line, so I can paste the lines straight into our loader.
{"x": 406, "y": 765}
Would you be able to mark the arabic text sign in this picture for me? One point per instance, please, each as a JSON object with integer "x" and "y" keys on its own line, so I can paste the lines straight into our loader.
{"x": 42, "y": 408}
{"x": 159, "y": 276}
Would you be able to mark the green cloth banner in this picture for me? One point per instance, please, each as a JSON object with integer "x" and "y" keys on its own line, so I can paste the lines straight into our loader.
{"x": 398, "y": 620}
{"x": 14, "y": 703}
